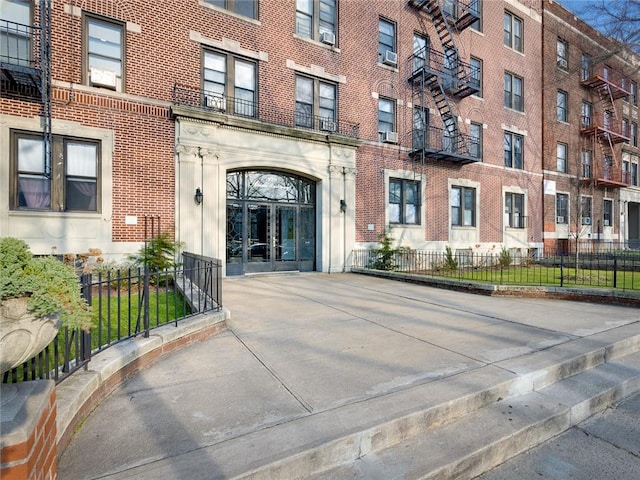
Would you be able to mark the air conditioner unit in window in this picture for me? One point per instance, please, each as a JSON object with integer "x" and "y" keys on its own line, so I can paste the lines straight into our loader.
{"x": 390, "y": 137}
{"x": 562, "y": 63}
{"x": 328, "y": 125}
{"x": 103, "y": 78}
{"x": 559, "y": 219}
{"x": 606, "y": 222}
{"x": 328, "y": 37}
{"x": 215, "y": 102}
{"x": 586, "y": 220}
{"x": 390, "y": 58}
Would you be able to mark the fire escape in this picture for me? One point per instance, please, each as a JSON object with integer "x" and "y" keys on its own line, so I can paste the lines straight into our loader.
{"x": 25, "y": 66}
{"x": 603, "y": 130}
{"x": 445, "y": 78}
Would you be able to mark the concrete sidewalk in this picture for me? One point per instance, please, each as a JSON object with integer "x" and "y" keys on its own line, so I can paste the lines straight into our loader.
{"x": 309, "y": 359}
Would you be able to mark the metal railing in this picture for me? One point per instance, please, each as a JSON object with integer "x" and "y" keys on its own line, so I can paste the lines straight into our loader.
{"x": 617, "y": 269}
{"x": 127, "y": 303}
{"x": 19, "y": 44}
{"x": 238, "y": 107}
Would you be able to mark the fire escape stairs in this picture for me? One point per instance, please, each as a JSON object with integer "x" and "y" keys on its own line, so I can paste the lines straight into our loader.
{"x": 605, "y": 141}
{"x": 435, "y": 84}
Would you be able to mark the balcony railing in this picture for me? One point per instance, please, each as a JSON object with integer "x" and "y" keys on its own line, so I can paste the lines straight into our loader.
{"x": 457, "y": 77}
{"x": 601, "y": 76}
{"x": 20, "y": 66}
{"x": 237, "y": 107}
{"x": 439, "y": 144}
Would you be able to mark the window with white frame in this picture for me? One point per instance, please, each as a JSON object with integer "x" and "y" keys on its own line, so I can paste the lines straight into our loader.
{"x": 561, "y": 157}
{"x": 562, "y": 105}
{"x": 634, "y": 134}
{"x": 513, "y": 31}
{"x": 562, "y": 54}
{"x": 513, "y": 150}
{"x": 634, "y": 174}
{"x": 420, "y": 124}
{"x": 475, "y": 140}
{"x": 514, "y": 210}
{"x": 625, "y": 130}
{"x": 513, "y": 88}
{"x": 476, "y": 7}
{"x": 626, "y": 175}
{"x": 586, "y": 161}
{"x": 387, "y": 42}
{"x": 585, "y": 67}
{"x": 316, "y": 103}
{"x": 404, "y": 201}
{"x": 71, "y": 183}
{"x": 105, "y": 52}
{"x": 227, "y": 77}
{"x": 562, "y": 208}
{"x": 420, "y": 52}
{"x": 607, "y": 212}
{"x": 247, "y": 8}
{"x": 386, "y": 118}
{"x": 463, "y": 206}
{"x": 316, "y": 19}
{"x": 585, "y": 210}
{"x": 586, "y": 114}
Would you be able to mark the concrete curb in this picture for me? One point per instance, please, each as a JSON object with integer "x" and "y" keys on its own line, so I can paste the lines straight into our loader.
{"x": 79, "y": 394}
{"x": 600, "y": 295}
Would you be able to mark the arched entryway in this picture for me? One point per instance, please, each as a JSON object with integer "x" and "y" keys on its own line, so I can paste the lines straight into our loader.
{"x": 271, "y": 222}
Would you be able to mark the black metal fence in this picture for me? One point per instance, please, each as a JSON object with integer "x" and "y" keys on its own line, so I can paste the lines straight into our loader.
{"x": 127, "y": 303}
{"x": 613, "y": 269}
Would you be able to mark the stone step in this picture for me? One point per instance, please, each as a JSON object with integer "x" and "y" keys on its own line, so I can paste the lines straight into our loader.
{"x": 483, "y": 439}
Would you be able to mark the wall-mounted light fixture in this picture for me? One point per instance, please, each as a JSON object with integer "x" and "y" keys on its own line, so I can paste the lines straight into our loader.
{"x": 343, "y": 206}
{"x": 198, "y": 196}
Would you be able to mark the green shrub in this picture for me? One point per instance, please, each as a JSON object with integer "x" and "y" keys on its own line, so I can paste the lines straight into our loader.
{"x": 383, "y": 257}
{"x": 450, "y": 262}
{"x": 505, "y": 258}
{"x": 158, "y": 254}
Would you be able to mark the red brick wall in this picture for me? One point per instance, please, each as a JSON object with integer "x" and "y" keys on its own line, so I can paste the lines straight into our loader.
{"x": 36, "y": 458}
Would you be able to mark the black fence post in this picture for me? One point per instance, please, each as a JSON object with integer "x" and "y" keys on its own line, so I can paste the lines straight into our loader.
{"x": 562, "y": 270}
{"x": 145, "y": 293}
{"x": 615, "y": 271}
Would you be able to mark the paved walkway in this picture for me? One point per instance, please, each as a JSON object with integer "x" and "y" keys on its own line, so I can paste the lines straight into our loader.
{"x": 302, "y": 344}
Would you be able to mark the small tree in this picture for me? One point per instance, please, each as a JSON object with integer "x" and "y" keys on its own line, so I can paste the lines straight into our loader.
{"x": 158, "y": 254}
{"x": 383, "y": 257}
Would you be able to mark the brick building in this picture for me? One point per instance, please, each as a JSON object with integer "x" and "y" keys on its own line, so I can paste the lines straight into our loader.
{"x": 590, "y": 136}
{"x": 276, "y": 135}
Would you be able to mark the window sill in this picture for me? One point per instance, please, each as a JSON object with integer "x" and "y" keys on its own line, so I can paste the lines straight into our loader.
{"x": 333, "y": 48}
{"x": 230, "y": 13}
{"x": 388, "y": 67}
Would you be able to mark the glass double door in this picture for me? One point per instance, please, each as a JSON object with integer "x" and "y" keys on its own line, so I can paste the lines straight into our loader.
{"x": 266, "y": 237}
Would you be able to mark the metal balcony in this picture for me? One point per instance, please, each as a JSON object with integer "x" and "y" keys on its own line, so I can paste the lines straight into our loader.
{"x": 605, "y": 129}
{"x": 215, "y": 103}
{"x": 458, "y": 78}
{"x": 460, "y": 13}
{"x": 20, "y": 67}
{"x": 604, "y": 174}
{"x": 437, "y": 144}
{"x": 605, "y": 80}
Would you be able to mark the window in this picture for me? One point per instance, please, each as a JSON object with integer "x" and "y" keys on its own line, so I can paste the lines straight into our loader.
{"x": 463, "y": 206}
{"x": 513, "y": 146}
{"x": 475, "y": 140}
{"x": 585, "y": 67}
{"x": 607, "y": 212}
{"x": 513, "y": 32}
{"x": 476, "y": 75}
{"x": 561, "y": 157}
{"x": 316, "y": 19}
{"x": 561, "y": 107}
{"x": 625, "y": 172}
{"x": 514, "y": 210}
{"x": 562, "y": 208}
{"x": 420, "y": 123}
{"x": 476, "y": 8}
{"x": 420, "y": 52}
{"x": 625, "y": 130}
{"x": 105, "y": 53}
{"x": 248, "y": 8}
{"x": 634, "y": 174}
{"x": 404, "y": 201}
{"x": 585, "y": 210}
{"x": 225, "y": 77}
{"x": 386, "y": 116}
{"x": 71, "y": 184}
{"x": 513, "y": 92}
{"x": 386, "y": 40}
{"x": 15, "y": 34}
{"x": 633, "y": 97}
{"x": 587, "y": 156}
{"x": 316, "y": 99}
{"x": 562, "y": 54}
{"x": 634, "y": 134}
{"x": 586, "y": 114}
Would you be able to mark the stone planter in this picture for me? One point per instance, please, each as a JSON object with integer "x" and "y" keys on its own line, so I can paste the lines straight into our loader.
{"x": 22, "y": 335}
